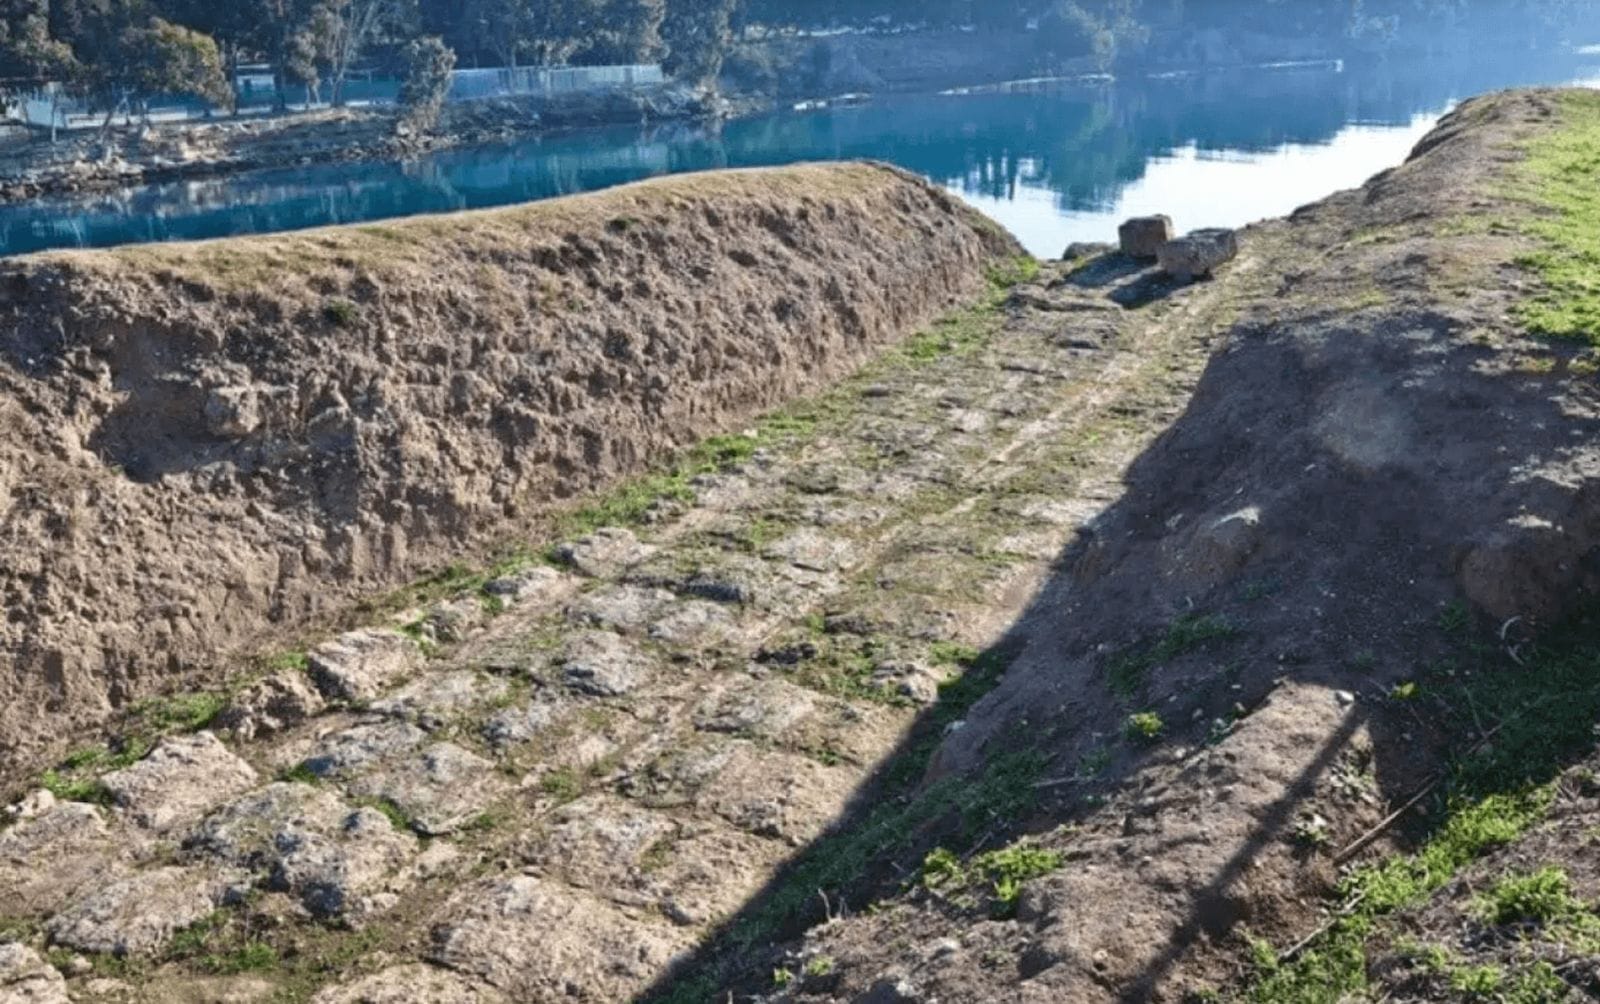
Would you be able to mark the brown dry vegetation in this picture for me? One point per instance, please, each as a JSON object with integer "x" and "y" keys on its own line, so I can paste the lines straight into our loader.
{"x": 205, "y": 445}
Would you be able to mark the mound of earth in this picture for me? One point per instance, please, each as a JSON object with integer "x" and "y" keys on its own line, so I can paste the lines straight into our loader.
{"x": 1229, "y": 686}
{"x": 203, "y": 444}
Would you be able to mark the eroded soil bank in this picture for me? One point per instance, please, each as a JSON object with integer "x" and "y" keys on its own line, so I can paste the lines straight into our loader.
{"x": 204, "y": 447}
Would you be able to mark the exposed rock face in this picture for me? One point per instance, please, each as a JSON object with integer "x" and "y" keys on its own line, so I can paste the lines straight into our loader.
{"x": 1143, "y": 236}
{"x": 213, "y": 439}
{"x": 1198, "y": 254}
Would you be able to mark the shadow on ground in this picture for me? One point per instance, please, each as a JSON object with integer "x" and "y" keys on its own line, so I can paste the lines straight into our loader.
{"x": 1311, "y": 533}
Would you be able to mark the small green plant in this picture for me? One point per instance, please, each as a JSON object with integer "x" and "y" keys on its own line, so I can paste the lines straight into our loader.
{"x": 782, "y": 977}
{"x": 1144, "y": 727}
{"x": 942, "y": 869}
{"x": 180, "y": 712}
{"x": 340, "y": 313}
{"x": 1454, "y": 617}
{"x": 563, "y": 784}
{"x": 820, "y": 966}
{"x": 252, "y": 957}
{"x": 1540, "y": 897}
{"x": 1263, "y": 957}
{"x": 1406, "y": 691}
{"x": 301, "y": 773}
{"x": 1311, "y": 831}
{"x": 1481, "y": 980}
{"x": 1126, "y": 673}
{"x": 74, "y": 789}
{"x": 397, "y": 817}
{"x": 1008, "y": 869}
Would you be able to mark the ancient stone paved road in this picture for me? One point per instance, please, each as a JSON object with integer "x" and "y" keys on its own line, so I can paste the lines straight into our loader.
{"x": 579, "y": 779}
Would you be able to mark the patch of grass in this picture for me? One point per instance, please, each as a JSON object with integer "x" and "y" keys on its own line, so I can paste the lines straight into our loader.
{"x": 1144, "y": 727}
{"x": 286, "y": 662}
{"x": 1493, "y": 796}
{"x": 299, "y": 773}
{"x": 1542, "y": 897}
{"x": 180, "y": 712}
{"x": 75, "y": 789}
{"x": 1560, "y": 178}
{"x": 563, "y": 785}
{"x": 1127, "y": 672}
{"x": 397, "y": 817}
{"x": 966, "y": 331}
{"x": 340, "y": 313}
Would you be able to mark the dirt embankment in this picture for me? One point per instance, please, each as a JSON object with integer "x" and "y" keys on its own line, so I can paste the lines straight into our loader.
{"x": 202, "y": 442}
{"x": 1242, "y": 666}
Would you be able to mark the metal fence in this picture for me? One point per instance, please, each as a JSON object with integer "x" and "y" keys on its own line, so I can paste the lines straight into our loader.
{"x": 536, "y": 80}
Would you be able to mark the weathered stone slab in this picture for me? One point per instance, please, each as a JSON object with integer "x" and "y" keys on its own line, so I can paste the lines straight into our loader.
{"x": 338, "y": 860}
{"x": 46, "y": 860}
{"x": 361, "y": 746}
{"x": 605, "y": 553}
{"x": 1142, "y": 236}
{"x": 813, "y": 551}
{"x": 359, "y": 665}
{"x": 25, "y": 978}
{"x": 538, "y": 940}
{"x": 410, "y": 984}
{"x": 530, "y": 585}
{"x": 513, "y": 726}
{"x": 436, "y": 700}
{"x": 271, "y": 705}
{"x": 775, "y": 794}
{"x": 182, "y": 779}
{"x": 626, "y": 608}
{"x": 693, "y": 623}
{"x": 351, "y": 871}
{"x": 440, "y": 789}
{"x": 138, "y": 914}
{"x": 1198, "y": 254}
{"x": 605, "y": 664}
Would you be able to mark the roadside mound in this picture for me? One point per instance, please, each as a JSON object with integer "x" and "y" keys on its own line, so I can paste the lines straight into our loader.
{"x": 1255, "y": 653}
{"x": 203, "y": 442}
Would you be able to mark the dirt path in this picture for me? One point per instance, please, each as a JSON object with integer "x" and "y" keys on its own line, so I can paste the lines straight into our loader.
{"x": 573, "y": 778}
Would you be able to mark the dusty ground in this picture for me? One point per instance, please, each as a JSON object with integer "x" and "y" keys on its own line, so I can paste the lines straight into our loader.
{"x": 85, "y": 161}
{"x": 205, "y": 448}
{"x": 1067, "y": 652}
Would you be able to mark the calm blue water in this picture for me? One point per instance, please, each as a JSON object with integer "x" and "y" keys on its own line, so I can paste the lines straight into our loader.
{"x": 1054, "y": 162}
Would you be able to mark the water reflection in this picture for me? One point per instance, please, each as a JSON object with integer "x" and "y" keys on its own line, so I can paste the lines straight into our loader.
{"x": 1055, "y": 161}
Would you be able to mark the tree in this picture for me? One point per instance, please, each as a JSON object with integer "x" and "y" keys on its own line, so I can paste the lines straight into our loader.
{"x": 698, "y": 33}
{"x": 429, "y": 64}
{"x": 344, "y": 30}
{"x": 629, "y": 32}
